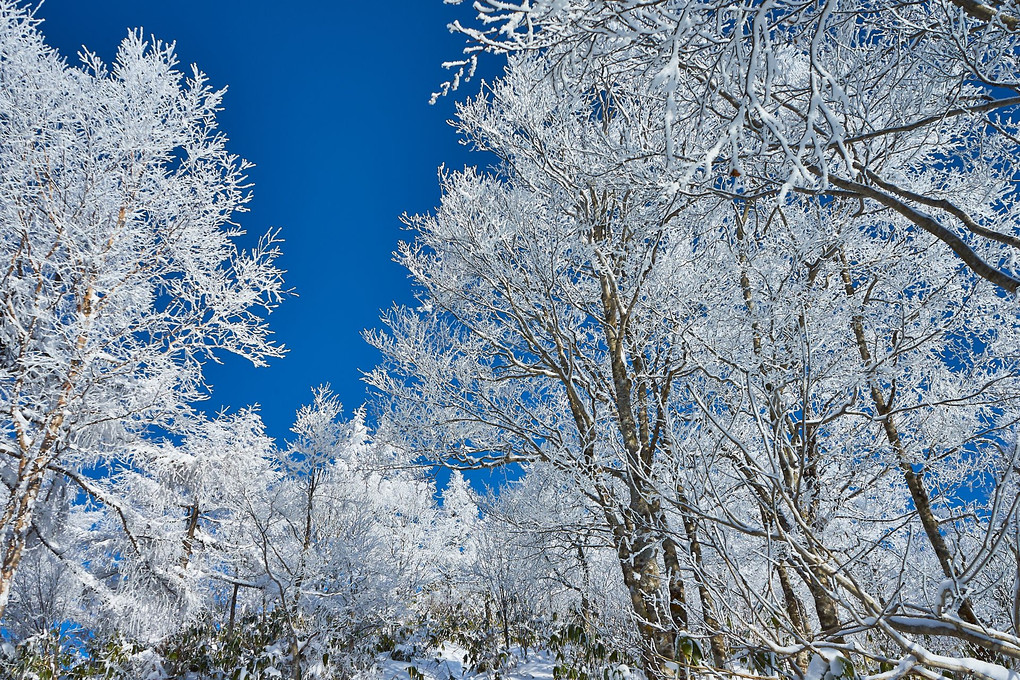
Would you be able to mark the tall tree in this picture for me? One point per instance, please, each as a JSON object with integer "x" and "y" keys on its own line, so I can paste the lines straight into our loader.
{"x": 121, "y": 269}
{"x": 541, "y": 337}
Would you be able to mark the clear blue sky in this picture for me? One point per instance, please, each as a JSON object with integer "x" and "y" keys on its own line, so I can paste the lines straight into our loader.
{"x": 330, "y": 100}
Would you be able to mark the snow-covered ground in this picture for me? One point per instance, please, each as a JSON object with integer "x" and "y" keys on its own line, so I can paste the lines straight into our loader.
{"x": 449, "y": 663}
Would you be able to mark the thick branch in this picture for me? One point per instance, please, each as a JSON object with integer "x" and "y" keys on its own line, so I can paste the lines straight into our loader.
{"x": 933, "y": 227}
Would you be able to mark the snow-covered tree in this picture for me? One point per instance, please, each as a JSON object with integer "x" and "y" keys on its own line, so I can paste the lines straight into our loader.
{"x": 461, "y": 523}
{"x": 541, "y": 336}
{"x": 563, "y": 563}
{"x": 122, "y": 272}
{"x": 793, "y": 412}
{"x": 910, "y": 109}
{"x": 339, "y": 538}
{"x": 181, "y": 523}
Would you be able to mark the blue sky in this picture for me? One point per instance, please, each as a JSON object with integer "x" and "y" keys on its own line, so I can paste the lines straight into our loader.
{"x": 330, "y": 101}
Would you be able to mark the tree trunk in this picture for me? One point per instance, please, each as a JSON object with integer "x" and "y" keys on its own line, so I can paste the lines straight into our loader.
{"x": 16, "y": 530}
{"x": 716, "y": 640}
{"x": 794, "y": 610}
{"x": 585, "y": 586}
{"x": 915, "y": 485}
{"x": 295, "y": 653}
{"x": 233, "y": 609}
{"x": 638, "y": 556}
{"x": 189, "y": 535}
{"x": 675, "y": 585}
